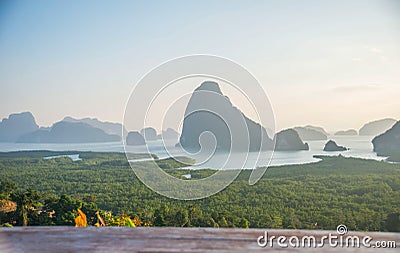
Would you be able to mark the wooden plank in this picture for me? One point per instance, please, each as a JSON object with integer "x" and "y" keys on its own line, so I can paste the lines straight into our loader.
{"x": 150, "y": 239}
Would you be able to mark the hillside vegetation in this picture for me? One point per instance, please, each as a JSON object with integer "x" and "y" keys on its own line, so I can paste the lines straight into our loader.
{"x": 362, "y": 194}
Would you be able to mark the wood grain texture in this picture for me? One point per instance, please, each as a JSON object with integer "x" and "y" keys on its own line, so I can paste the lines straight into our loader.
{"x": 150, "y": 239}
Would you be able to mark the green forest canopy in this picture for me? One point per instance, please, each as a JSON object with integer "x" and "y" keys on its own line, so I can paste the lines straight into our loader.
{"x": 362, "y": 194}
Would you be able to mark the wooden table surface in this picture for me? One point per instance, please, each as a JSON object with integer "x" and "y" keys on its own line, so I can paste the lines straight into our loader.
{"x": 150, "y": 239}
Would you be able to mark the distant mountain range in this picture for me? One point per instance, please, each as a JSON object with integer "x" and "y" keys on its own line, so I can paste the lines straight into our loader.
{"x": 22, "y": 128}
{"x": 311, "y": 133}
{"x": 346, "y": 132}
{"x": 69, "y": 132}
{"x": 317, "y": 128}
{"x": 377, "y": 127}
{"x": 15, "y": 125}
{"x": 107, "y": 127}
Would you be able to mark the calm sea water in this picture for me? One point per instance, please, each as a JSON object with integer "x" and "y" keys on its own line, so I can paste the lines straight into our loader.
{"x": 360, "y": 146}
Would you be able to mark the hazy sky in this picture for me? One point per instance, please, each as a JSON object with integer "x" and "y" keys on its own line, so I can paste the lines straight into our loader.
{"x": 330, "y": 63}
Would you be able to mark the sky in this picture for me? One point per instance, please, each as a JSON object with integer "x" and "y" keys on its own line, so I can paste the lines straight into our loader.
{"x": 334, "y": 64}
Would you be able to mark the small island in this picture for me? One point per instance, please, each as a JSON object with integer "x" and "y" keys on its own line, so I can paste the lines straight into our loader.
{"x": 346, "y": 132}
{"x": 332, "y": 146}
{"x": 289, "y": 140}
{"x": 149, "y": 134}
{"x": 169, "y": 133}
{"x": 134, "y": 138}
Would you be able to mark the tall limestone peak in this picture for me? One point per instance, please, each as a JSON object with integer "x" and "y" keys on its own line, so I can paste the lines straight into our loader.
{"x": 209, "y": 86}
{"x": 209, "y": 110}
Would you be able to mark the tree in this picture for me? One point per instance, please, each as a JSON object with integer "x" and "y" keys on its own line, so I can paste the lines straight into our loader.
{"x": 276, "y": 222}
{"x": 6, "y": 188}
{"x": 393, "y": 222}
{"x": 27, "y": 203}
{"x": 244, "y": 223}
{"x": 159, "y": 219}
{"x": 64, "y": 210}
{"x": 181, "y": 217}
